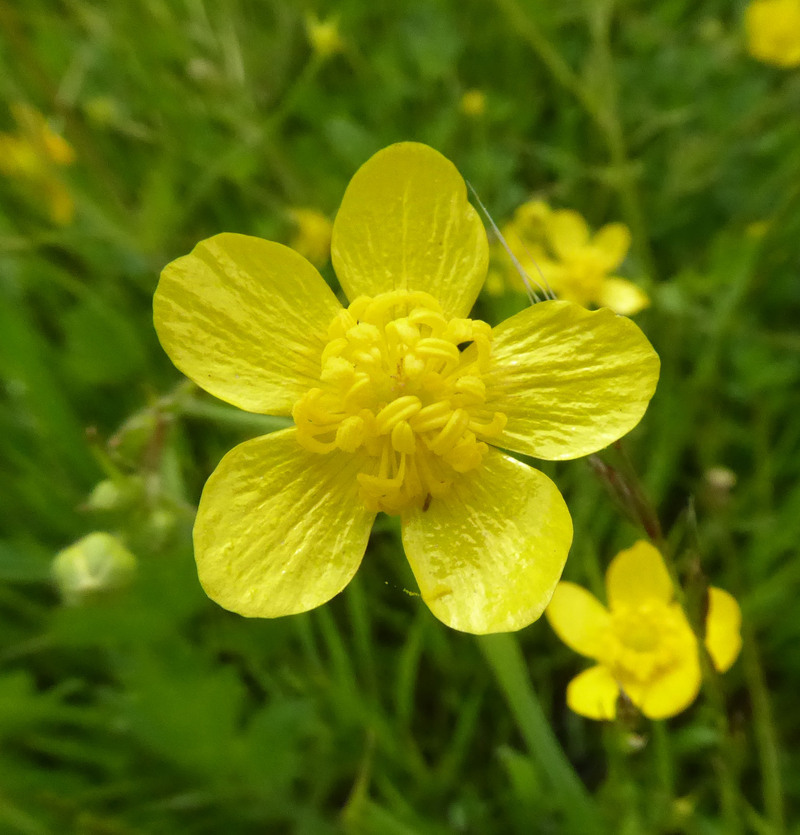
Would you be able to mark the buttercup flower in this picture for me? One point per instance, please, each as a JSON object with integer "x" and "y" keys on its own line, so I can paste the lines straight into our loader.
{"x": 642, "y": 642}
{"x": 323, "y": 35}
{"x": 401, "y": 404}
{"x": 32, "y": 155}
{"x": 558, "y": 247}
{"x": 773, "y": 31}
{"x": 312, "y": 238}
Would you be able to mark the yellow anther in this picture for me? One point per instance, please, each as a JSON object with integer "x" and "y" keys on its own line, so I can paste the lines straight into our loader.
{"x": 438, "y": 349}
{"x": 334, "y": 349}
{"x": 337, "y": 370}
{"x": 400, "y": 409}
{"x": 350, "y": 434}
{"x": 399, "y": 332}
{"x": 403, "y": 438}
{"x": 431, "y": 417}
{"x": 471, "y": 388}
{"x": 491, "y": 429}
{"x": 395, "y": 386}
{"x": 452, "y": 431}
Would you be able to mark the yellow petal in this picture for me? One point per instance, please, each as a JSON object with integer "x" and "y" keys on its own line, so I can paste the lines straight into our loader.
{"x": 578, "y": 618}
{"x": 279, "y": 529}
{"x": 568, "y": 232}
{"x": 405, "y": 223}
{"x": 612, "y": 242}
{"x": 674, "y": 691}
{"x": 723, "y": 624}
{"x": 569, "y": 380}
{"x": 246, "y": 319}
{"x": 488, "y": 555}
{"x": 593, "y": 693}
{"x": 638, "y": 574}
{"x": 622, "y": 296}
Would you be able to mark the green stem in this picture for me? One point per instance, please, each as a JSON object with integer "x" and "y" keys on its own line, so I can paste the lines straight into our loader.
{"x": 504, "y": 656}
{"x": 766, "y": 740}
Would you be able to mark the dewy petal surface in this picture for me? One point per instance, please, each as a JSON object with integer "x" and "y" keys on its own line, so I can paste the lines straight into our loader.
{"x": 638, "y": 574}
{"x": 246, "y": 319}
{"x": 488, "y": 555}
{"x": 578, "y": 618}
{"x": 279, "y": 530}
{"x": 569, "y": 380}
{"x": 405, "y": 223}
{"x": 593, "y": 693}
{"x": 723, "y": 625}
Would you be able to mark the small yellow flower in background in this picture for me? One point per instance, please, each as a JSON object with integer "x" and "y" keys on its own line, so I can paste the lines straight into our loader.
{"x": 323, "y": 35}
{"x": 32, "y": 155}
{"x": 556, "y": 249}
{"x": 401, "y": 404}
{"x": 773, "y": 31}
{"x": 312, "y": 238}
{"x": 642, "y": 642}
{"x": 473, "y": 103}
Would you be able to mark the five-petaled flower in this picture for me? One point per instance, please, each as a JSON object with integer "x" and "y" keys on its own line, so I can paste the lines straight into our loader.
{"x": 773, "y": 31}
{"x": 556, "y": 247}
{"x": 400, "y": 403}
{"x": 642, "y": 642}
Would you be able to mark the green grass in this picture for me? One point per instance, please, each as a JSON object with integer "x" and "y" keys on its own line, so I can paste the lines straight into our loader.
{"x": 153, "y": 710}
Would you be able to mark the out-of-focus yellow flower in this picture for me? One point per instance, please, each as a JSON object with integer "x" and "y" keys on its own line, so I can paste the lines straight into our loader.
{"x": 32, "y": 155}
{"x": 557, "y": 250}
{"x": 323, "y": 35}
{"x": 312, "y": 238}
{"x": 642, "y": 642}
{"x": 773, "y": 31}
{"x": 401, "y": 404}
{"x": 473, "y": 103}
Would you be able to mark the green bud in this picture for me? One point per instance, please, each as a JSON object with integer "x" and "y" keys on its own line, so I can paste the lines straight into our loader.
{"x": 115, "y": 494}
{"x": 93, "y": 566}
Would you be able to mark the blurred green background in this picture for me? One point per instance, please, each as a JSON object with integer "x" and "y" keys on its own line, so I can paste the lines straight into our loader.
{"x": 139, "y": 706}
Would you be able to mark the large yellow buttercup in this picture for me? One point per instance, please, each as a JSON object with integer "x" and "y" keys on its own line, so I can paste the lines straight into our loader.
{"x": 401, "y": 403}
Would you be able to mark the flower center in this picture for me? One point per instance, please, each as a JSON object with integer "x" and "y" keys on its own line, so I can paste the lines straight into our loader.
{"x": 403, "y": 386}
{"x": 644, "y": 641}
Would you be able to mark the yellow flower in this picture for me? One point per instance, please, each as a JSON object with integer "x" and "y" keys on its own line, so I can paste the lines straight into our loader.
{"x": 312, "y": 238}
{"x": 32, "y": 155}
{"x": 557, "y": 246}
{"x": 401, "y": 404}
{"x": 773, "y": 31}
{"x": 473, "y": 103}
{"x": 642, "y": 642}
{"x": 323, "y": 35}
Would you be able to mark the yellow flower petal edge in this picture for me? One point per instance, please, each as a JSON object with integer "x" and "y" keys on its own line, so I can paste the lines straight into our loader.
{"x": 593, "y": 693}
{"x": 568, "y": 232}
{"x": 242, "y": 317}
{"x": 405, "y": 224}
{"x": 279, "y": 530}
{"x": 636, "y": 574}
{"x": 622, "y": 296}
{"x": 488, "y": 555}
{"x": 579, "y": 619}
{"x": 674, "y": 691}
{"x": 612, "y": 242}
{"x": 570, "y": 381}
{"x": 723, "y": 625}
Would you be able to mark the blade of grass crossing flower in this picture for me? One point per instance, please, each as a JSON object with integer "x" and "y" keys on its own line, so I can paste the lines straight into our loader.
{"x": 502, "y": 653}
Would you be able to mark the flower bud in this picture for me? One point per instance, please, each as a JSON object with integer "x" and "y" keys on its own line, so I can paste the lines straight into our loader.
{"x": 93, "y": 566}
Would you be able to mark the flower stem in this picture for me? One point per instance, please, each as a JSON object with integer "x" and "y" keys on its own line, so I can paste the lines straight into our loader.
{"x": 504, "y": 656}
